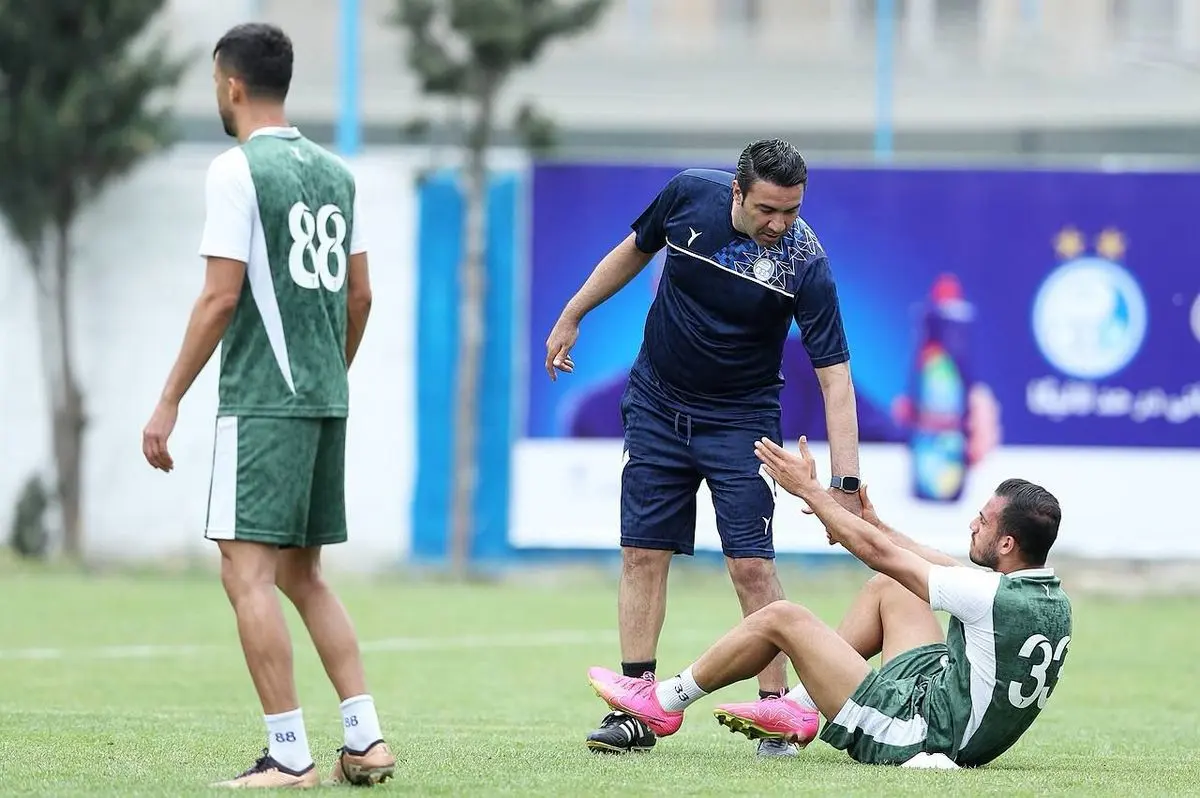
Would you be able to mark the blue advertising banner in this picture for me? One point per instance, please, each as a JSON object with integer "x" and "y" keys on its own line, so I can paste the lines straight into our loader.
{"x": 1079, "y": 294}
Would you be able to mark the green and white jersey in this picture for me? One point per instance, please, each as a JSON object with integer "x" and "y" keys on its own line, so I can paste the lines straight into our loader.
{"x": 288, "y": 209}
{"x": 1007, "y": 640}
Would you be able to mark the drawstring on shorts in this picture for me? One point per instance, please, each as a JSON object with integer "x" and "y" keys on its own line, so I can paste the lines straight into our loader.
{"x": 687, "y": 425}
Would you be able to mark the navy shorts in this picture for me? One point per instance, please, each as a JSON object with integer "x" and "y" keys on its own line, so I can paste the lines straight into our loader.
{"x": 668, "y": 452}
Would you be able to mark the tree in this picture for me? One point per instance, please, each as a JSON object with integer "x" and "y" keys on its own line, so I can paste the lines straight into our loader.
{"x": 465, "y": 51}
{"x": 76, "y": 84}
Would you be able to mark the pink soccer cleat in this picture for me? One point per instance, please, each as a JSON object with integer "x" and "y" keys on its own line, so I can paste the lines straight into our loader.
{"x": 771, "y": 719}
{"x": 635, "y": 697}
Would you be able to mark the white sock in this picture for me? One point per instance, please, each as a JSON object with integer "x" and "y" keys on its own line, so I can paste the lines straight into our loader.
{"x": 361, "y": 722}
{"x": 800, "y": 696}
{"x": 287, "y": 741}
{"x": 677, "y": 694}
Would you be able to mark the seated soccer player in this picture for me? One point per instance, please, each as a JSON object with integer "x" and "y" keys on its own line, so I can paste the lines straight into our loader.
{"x": 968, "y": 695}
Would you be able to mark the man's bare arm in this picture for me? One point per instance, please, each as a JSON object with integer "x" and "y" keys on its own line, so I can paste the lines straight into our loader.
{"x": 210, "y": 317}
{"x": 358, "y": 304}
{"x": 841, "y": 422}
{"x": 872, "y": 546}
{"x": 624, "y": 262}
{"x": 798, "y": 476}
{"x": 899, "y": 538}
{"x": 841, "y": 417}
{"x": 927, "y": 553}
{"x": 612, "y": 274}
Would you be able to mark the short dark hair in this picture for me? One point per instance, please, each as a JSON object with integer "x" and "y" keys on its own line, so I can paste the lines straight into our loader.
{"x": 259, "y": 54}
{"x": 1031, "y": 516}
{"x": 774, "y": 161}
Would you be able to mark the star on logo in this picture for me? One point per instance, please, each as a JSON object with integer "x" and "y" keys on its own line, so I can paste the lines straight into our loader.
{"x": 1069, "y": 243}
{"x": 1110, "y": 244}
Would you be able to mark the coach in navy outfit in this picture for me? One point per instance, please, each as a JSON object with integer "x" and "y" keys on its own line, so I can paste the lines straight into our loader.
{"x": 740, "y": 267}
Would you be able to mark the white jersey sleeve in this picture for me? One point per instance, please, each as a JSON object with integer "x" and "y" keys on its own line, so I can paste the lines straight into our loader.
{"x": 966, "y": 593}
{"x": 358, "y": 241}
{"x": 230, "y": 207}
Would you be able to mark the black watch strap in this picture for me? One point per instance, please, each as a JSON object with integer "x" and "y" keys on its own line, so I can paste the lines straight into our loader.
{"x": 845, "y": 484}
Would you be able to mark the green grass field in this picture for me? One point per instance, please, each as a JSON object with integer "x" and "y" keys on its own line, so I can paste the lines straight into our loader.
{"x": 134, "y": 685}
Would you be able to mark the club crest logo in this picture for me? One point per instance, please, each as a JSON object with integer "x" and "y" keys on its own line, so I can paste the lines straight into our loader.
{"x": 764, "y": 269}
{"x": 1089, "y": 315}
{"x": 1196, "y": 318}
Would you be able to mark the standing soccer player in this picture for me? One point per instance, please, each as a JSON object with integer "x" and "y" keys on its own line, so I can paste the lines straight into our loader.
{"x": 741, "y": 266}
{"x": 287, "y": 293}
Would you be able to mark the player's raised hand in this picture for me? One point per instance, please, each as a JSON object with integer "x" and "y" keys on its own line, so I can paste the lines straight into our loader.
{"x": 156, "y": 433}
{"x": 797, "y": 474}
{"x": 558, "y": 347}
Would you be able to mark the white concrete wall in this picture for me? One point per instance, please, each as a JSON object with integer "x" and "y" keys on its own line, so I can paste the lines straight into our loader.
{"x": 136, "y": 276}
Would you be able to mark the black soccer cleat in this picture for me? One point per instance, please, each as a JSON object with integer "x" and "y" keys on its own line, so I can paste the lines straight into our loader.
{"x": 619, "y": 734}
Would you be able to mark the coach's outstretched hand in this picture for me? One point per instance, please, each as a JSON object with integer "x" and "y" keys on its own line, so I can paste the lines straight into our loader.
{"x": 868, "y": 514}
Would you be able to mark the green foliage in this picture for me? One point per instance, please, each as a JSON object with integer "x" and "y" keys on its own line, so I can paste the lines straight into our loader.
{"x": 456, "y": 40}
{"x": 28, "y": 535}
{"x": 466, "y": 49}
{"x": 76, "y": 83}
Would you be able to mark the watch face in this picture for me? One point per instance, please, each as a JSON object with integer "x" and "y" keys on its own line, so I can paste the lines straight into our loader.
{"x": 850, "y": 484}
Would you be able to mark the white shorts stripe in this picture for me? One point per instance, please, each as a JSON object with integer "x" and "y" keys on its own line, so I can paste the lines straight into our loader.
{"x": 222, "y": 495}
{"x": 878, "y": 726}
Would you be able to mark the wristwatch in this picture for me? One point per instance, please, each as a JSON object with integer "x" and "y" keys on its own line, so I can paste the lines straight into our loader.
{"x": 845, "y": 484}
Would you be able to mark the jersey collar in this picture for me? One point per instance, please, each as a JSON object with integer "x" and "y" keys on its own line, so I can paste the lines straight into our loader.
{"x": 277, "y": 132}
{"x": 1032, "y": 573}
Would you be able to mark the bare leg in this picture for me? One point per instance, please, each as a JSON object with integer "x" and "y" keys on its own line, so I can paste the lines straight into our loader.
{"x": 365, "y": 758}
{"x": 908, "y": 622}
{"x": 757, "y": 585}
{"x": 299, "y": 577}
{"x": 642, "y": 601}
{"x": 827, "y": 665}
{"x": 887, "y": 618}
{"x": 862, "y": 625}
{"x": 248, "y": 574}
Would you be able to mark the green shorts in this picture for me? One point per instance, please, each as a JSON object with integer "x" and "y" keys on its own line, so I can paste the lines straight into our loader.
{"x": 881, "y": 724}
{"x": 279, "y": 481}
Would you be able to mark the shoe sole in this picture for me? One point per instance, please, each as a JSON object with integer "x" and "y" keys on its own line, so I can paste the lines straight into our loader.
{"x": 599, "y": 694}
{"x": 604, "y": 698}
{"x": 367, "y": 777}
{"x": 298, "y": 785}
{"x": 753, "y": 730}
{"x": 606, "y": 748}
{"x": 599, "y": 747}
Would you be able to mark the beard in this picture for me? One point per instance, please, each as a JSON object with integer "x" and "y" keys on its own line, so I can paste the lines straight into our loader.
{"x": 227, "y": 123}
{"x": 988, "y": 558}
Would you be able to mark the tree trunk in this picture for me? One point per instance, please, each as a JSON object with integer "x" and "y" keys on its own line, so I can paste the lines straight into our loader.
{"x": 473, "y": 287}
{"x": 66, "y": 398}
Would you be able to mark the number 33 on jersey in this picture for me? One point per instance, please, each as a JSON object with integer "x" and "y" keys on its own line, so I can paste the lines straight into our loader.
{"x": 287, "y": 209}
{"x": 1042, "y": 655}
{"x": 1007, "y": 641}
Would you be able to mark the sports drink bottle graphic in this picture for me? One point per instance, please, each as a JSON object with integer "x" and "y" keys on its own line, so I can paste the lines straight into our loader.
{"x": 940, "y": 381}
